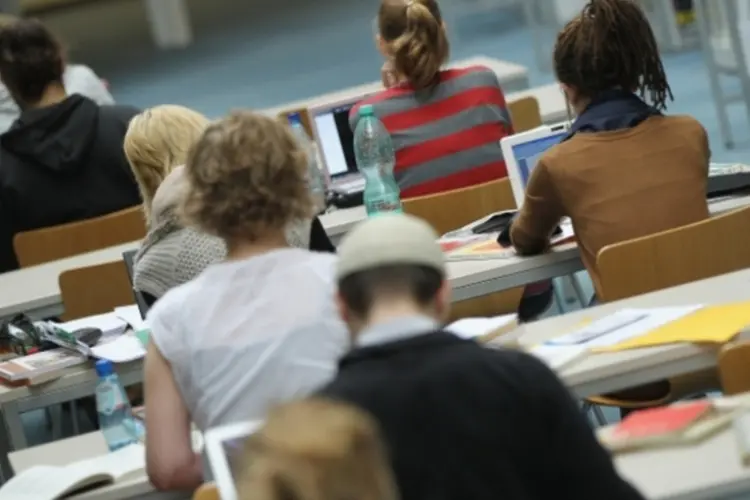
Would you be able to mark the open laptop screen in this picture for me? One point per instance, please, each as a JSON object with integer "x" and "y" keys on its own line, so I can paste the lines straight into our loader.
{"x": 527, "y": 154}
{"x": 336, "y": 140}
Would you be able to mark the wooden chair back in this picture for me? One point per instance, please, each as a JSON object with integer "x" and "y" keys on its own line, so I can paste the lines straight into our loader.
{"x": 66, "y": 240}
{"x": 734, "y": 368}
{"x": 207, "y": 491}
{"x": 451, "y": 210}
{"x": 304, "y": 115}
{"x": 715, "y": 246}
{"x": 525, "y": 114}
{"x": 94, "y": 289}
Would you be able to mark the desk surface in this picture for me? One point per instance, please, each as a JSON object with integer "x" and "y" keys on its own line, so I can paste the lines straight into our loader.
{"x": 63, "y": 452}
{"x": 512, "y": 77}
{"x": 710, "y": 470}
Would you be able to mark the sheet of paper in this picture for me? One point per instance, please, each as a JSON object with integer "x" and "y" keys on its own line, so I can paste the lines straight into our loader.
{"x": 117, "y": 463}
{"x": 623, "y": 325}
{"x": 132, "y": 316}
{"x": 123, "y": 349}
{"x": 559, "y": 357}
{"x": 40, "y": 482}
{"x": 471, "y": 328}
{"x": 108, "y": 323}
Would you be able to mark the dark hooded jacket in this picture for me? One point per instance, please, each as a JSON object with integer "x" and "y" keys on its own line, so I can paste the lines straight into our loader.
{"x": 60, "y": 164}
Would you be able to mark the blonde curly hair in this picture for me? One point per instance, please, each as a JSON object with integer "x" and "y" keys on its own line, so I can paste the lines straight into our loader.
{"x": 157, "y": 141}
{"x": 247, "y": 176}
{"x": 316, "y": 449}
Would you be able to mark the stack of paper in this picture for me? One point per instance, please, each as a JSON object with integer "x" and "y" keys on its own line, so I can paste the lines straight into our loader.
{"x": 109, "y": 323}
{"x": 123, "y": 349}
{"x": 483, "y": 329}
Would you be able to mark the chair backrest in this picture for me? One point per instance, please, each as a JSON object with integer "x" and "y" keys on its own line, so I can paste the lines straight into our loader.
{"x": 304, "y": 115}
{"x": 140, "y": 300}
{"x": 453, "y": 209}
{"x": 95, "y": 289}
{"x": 58, "y": 242}
{"x": 207, "y": 491}
{"x": 719, "y": 28}
{"x": 715, "y": 246}
{"x": 734, "y": 367}
{"x": 525, "y": 114}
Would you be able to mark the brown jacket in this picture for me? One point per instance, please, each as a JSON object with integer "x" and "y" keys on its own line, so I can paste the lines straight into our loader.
{"x": 616, "y": 186}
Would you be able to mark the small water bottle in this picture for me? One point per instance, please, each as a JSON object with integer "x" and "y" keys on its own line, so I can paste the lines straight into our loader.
{"x": 315, "y": 177}
{"x": 373, "y": 150}
{"x": 116, "y": 419}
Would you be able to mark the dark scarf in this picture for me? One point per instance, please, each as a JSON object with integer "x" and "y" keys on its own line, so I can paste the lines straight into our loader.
{"x": 612, "y": 110}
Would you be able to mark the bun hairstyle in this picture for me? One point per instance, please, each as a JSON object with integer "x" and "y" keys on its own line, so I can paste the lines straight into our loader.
{"x": 246, "y": 176}
{"x": 31, "y": 58}
{"x": 415, "y": 34}
{"x": 611, "y": 45}
{"x": 316, "y": 450}
{"x": 158, "y": 140}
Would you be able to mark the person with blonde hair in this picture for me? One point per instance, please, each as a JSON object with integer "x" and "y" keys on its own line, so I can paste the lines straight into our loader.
{"x": 258, "y": 328}
{"x": 316, "y": 449}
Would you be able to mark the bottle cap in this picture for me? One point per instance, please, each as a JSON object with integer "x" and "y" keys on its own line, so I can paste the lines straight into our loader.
{"x": 104, "y": 368}
{"x": 366, "y": 110}
{"x": 294, "y": 119}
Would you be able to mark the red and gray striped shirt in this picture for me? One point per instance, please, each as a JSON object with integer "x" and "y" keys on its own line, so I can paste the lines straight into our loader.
{"x": 446, "y": 137}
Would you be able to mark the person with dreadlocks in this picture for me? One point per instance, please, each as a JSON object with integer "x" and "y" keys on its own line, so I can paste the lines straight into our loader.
{"x": 626, "y": 170}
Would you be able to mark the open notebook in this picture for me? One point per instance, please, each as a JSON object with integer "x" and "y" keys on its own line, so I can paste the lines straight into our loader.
{"x": 47, "y": 482}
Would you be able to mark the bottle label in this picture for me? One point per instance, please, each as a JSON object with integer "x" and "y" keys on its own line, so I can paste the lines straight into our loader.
{"x": 384, "y": 204}
{"x": 109, "y": 399}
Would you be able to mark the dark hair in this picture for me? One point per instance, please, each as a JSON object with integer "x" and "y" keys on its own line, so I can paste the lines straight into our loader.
{"x": 418, "y": 43}
{"x": 359, "y": 291}
{"x": 31, "y": 58}
{"x": 610, "y": 45}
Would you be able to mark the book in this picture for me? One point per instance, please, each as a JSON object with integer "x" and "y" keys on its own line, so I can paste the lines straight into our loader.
{"x": 48, "y": 482}
{"x": 483, "y": 329}
{"x": 679, "y": 424}
{"x": 34, "y": 366}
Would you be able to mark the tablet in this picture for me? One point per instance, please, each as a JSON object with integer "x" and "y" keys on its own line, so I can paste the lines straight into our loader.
{"x": 224, "y": 447}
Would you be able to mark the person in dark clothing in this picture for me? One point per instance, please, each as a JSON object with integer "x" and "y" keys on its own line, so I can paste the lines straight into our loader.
{"x": 62, "y": 160}
{"x": 461, "y": 421}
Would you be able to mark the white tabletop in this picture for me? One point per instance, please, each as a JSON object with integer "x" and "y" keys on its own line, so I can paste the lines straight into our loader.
{"x": 66, "y": 451}
{"x": 512, "y": 77}
{"x": 707, "y": 471}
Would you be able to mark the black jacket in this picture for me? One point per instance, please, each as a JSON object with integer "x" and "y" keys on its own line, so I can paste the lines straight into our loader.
{"x": 63, "y": 163}
{"x": 463, "y": 422}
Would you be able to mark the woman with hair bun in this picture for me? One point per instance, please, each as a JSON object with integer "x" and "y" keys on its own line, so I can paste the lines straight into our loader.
{"x": 256, "y": 329}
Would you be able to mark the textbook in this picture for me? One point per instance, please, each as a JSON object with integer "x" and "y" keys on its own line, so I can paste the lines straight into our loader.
{"x": 44, "y": 482}
{"x": 679, "y": 424}
{"x": 35, "y": 367}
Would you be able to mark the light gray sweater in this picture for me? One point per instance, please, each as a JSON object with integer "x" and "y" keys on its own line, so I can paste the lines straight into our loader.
{"x": 173, "y": 254}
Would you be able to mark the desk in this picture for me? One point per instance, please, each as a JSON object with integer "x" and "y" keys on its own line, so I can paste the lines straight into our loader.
{"x": 711, "y": 470}
{"x": 86, "y": 446}
{"x": 512, "y": 77}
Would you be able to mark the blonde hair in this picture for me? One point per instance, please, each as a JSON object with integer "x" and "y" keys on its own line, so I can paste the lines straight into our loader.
{"x": 157, "y": 141}
{"x": 416, "y": 39}
{"x": 316, "y": 450}
{"x": 247, "y": 175}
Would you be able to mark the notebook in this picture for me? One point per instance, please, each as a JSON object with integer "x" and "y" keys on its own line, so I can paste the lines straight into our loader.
{"x": 679, "y": 424}
{"x": 47, "y": 482}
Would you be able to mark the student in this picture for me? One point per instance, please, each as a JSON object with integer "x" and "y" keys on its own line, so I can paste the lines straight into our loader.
{"x": 62, "y": 160}
{"x": 259, "y": 328}
{"x": 627, "y": 170}
{"x": 316, "y": 450}
{"x": 446, "y": 125}
{"x": 156, "y": 145}
{"x": 461, "y": 421}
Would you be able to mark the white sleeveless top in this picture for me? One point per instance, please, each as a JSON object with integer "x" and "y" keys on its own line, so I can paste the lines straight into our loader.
{"x": 246, "y": 335}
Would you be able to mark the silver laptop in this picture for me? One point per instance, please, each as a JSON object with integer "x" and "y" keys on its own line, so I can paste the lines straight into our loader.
{"x": 335, "y": 141}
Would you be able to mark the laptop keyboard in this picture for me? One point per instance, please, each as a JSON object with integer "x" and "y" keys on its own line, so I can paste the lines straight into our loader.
{"x": 353, "y": 185}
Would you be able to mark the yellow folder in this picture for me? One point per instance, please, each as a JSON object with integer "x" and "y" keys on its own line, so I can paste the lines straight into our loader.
{"x": 709, "y": 325}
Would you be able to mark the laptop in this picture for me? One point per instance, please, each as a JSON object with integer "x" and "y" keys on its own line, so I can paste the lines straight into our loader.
{"x": 522, "y": 152}
{"x": 335, "y": 140}
{"x": 224, "y": 448}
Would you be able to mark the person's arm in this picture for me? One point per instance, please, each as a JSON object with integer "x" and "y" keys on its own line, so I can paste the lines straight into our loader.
{"x": 540, "y": 214}
{"x": 171, "y": 463}
{"x": 575, "y": 464}
{"x": 319, "y": 240}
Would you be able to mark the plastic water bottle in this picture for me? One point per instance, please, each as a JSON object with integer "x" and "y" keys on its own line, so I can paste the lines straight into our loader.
{"x": 315, "y": 177}
{"x": 116, "y": 419}
{"x": 376, "y": 158}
